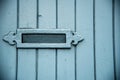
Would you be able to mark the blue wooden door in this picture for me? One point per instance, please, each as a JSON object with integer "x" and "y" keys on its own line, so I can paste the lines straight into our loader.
{"x": 96, "y": 58}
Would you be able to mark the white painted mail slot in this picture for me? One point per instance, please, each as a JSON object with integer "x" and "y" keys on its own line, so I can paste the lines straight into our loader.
{"x": 43, "y": 38}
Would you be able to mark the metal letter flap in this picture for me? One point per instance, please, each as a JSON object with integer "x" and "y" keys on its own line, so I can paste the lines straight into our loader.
{"x": 43, "y": 38}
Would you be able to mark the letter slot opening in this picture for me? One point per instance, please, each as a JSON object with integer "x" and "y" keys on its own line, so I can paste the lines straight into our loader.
{"x": 43, "y": 38}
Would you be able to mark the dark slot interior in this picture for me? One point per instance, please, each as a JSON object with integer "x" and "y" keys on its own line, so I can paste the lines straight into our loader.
{"x": 43, "y": 38}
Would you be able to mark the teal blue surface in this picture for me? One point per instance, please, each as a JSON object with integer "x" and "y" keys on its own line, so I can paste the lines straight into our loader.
{"x": 96, "y": 58}
{"x": 8, "y": 22}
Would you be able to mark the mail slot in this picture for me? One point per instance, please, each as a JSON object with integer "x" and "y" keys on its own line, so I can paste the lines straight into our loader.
{"x": 43, "y": 38}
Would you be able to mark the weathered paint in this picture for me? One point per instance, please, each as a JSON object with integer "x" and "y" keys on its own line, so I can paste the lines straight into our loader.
{"x": 96, "y": 58}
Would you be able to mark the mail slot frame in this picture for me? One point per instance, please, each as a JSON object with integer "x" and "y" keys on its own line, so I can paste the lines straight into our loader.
{"x": 67, "y": 32}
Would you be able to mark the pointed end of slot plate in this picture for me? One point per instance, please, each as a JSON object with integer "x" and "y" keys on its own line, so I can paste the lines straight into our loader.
{"x": 10, "y": 38}
{"x": 76, "y": 38}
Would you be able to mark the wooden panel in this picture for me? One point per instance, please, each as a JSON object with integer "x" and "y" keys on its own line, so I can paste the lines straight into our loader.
{"x": 26, "y": 57}
{"x": 27, "y": 13}
{"x": 46, "y": 57}
{"x": 65, "y": 57}
{"x": 85, "y": 50}
{"x": 47, "y": 14}
{"x": 104, "y": 39}
{"x": 26, "y": 64}
{"x": 117, "y": 37}
{"x": 8, "y": 9}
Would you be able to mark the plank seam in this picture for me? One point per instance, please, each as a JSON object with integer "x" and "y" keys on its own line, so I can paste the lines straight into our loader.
{"x": 56, "y": 49}
{"x": 113, "y": 30}
{"x": 37, "y": 26}
{"x": 16, "y": 48}
{"x": 16, "y": 63}
{"x": 56, "y": 64}
{"x": 37, "y": 14}
{"x": 94, "y": 41}
{"x": 75, "y": 49}
{"x": 56, "y": 14}
{"x": 36, "y": 64}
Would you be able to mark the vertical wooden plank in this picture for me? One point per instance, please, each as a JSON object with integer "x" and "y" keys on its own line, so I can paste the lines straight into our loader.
{"x": 46, "y": 57}
{"x": 104, "y": 40}
{"x": 8, "y": 16}
{"x": 27, "y": 13}
{"x": 117, "y": 38}
{"x": 47, "y": 14}
{"x": 85, "y": 50}
{"x": 26, "y": 57}
{"x": 66, "y": 57}
{"x": 26, "y": 64}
